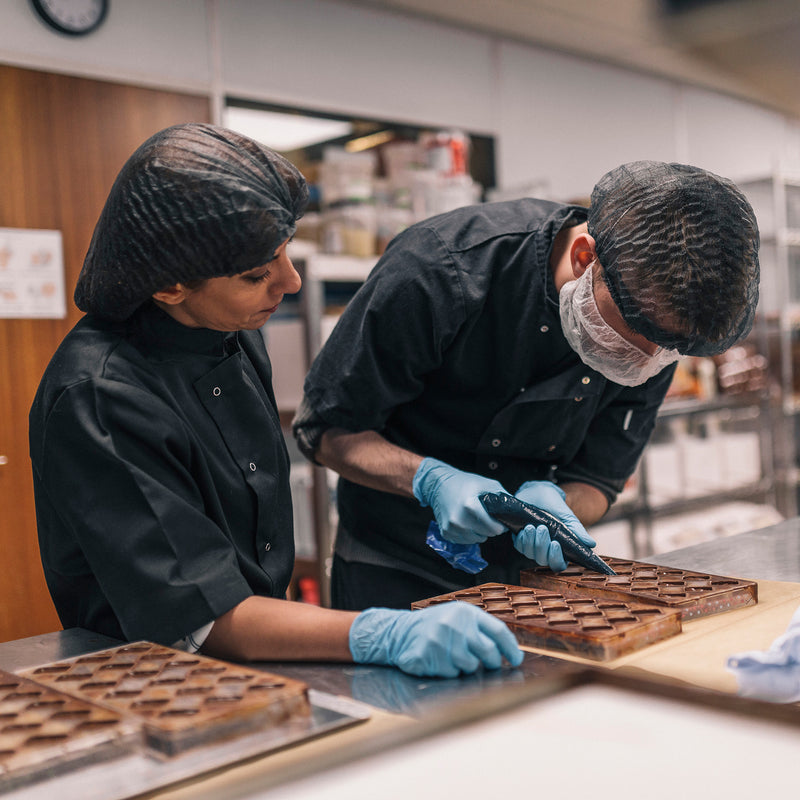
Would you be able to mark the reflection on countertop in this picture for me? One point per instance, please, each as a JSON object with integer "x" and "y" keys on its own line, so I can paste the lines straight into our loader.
{"x": 768, "y": 554}
{"x": 392, "y": 690}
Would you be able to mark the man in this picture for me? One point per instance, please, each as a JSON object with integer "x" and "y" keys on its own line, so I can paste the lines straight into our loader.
{"x": 160, "y": 471}
{"x": 524, "y": 347}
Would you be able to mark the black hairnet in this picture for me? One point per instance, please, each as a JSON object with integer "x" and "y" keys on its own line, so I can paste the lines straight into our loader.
{"x": 679, "y": 250}
{"x": 194, "y": 201}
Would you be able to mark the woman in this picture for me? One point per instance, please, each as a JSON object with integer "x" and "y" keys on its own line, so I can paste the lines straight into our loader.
{"x": 160, "y": 471}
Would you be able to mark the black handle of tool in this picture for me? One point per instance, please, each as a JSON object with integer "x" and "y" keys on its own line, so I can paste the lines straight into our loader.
{"x": 516, "y": 514}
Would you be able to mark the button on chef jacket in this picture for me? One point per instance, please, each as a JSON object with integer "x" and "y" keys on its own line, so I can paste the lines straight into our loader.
{"x": 161, "y": 476}
{"x": 453, "y": 349}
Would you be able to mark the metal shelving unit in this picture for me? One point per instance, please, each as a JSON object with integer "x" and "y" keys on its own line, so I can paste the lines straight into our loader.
{"x": 319, "y": 271}
{"x": 776, "y": 201}
{"x": 702, "y": 454}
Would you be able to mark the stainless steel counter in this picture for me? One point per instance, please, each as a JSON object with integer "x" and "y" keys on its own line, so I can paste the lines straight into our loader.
{"x": 768, "y": 554}
{"x": 381, "y": 687}
{"x": 772, "y": 553}
{"x": 37, "y": 650}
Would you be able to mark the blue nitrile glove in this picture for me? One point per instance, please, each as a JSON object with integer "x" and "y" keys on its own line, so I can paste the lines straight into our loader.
{"x": 453, "y": 496}
{"x": 439, "y": 641}
{"x": 773, "y": 674}
{"x": 534, "y": 541}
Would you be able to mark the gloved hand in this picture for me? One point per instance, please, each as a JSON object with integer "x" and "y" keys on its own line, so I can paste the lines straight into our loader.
{"x": 534, "y": 541}
{"x": 453, "y": 496}
{"x": 438, "y": 641}
{"x": 773, "y": 674}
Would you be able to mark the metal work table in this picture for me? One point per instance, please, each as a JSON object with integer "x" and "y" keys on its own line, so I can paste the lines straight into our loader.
{"x": 381, "y": 687}
{"x": 771, "y": 553}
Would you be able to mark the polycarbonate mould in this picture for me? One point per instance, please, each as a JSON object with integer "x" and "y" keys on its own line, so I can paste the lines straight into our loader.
{"x": 180, "y": 699}
{"x": 594, "y": 628}
{"x": 47, "y": 732}
{"x": 693, "y": 594}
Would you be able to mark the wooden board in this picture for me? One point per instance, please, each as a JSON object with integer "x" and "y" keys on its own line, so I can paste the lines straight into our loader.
{"x": 64, "y": 140}
{"x": 44, "y": 732}
{"x": 181, "y": 700}
{"x": 593, "y": 628}
{"x": 694, "y": 594}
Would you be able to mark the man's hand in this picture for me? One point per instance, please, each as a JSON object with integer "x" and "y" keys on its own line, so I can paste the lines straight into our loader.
{"x": 453, "y": 496}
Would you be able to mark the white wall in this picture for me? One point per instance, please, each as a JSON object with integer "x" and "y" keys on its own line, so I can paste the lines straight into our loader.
{"x": 736, "y": 138}
{"x": 574, "y": 120}
{"x": 559, "y": 120}
{"x": 334, "y": 56}
{"x": 150, "y": 42}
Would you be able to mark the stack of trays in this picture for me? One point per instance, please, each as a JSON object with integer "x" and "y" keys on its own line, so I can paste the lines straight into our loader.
{"x": 140, "y": 696}
{"x": 46, "y": 732}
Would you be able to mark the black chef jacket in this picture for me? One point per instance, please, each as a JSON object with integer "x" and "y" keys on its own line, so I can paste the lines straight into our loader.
{"x": 161, "y": 476}
{"x": 453, "y": 349}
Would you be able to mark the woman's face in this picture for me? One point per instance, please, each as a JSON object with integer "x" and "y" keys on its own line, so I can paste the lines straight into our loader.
{"x": 237, "y": 302}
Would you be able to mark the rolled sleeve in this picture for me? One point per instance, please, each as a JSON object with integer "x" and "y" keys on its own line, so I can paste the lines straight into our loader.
{"x": 308, "y": 428}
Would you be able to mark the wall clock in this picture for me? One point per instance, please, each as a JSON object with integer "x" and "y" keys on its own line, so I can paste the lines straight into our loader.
{"x": 73, "y": 17}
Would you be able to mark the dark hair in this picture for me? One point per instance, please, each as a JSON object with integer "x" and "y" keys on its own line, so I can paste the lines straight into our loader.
{"x": 193, "y": 202}
{"x": 679, "y": 251}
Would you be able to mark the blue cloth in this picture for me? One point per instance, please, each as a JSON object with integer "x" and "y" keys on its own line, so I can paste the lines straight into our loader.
{"x": 466, "y": 557}
{"x": 773, "y": 674}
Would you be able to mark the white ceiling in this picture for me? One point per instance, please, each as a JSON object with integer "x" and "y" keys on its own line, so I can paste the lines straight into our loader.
{"x": 749, "y": 48}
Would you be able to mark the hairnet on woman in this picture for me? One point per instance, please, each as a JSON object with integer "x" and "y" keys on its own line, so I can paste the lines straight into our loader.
{"x": 192, "y": 202}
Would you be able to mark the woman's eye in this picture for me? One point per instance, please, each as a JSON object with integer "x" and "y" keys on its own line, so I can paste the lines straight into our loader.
{"x": 257, "y": 278}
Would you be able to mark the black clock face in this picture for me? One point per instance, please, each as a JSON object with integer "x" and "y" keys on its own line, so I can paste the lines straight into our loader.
{"x": 72, "y": 17}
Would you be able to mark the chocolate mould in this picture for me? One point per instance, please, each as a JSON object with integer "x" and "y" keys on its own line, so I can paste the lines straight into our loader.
{"x": 44, "y": 732}
{"x": 594, "y": 628}
{"x": 693, "y": 594}
{"x": 182, "y": 700}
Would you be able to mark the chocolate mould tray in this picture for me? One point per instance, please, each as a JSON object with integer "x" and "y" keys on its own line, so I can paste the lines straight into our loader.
{"x": 44, "y": 733}
{"x": 693, "y": 594}
{"x": 593, "y": 628}
{"x": 145, "y": 772}
{"x": 181, "y": 700}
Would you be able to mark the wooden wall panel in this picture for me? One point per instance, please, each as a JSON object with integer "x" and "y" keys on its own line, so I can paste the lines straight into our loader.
{"x": 62, "y": 141}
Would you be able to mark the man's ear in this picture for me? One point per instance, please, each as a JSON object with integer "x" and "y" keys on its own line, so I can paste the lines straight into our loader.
{"x": 582, "y": 253}
{"x": 172, "y": 295}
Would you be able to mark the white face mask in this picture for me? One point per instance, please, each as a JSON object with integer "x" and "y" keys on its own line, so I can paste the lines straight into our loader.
{"x": 598, "y": 344}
